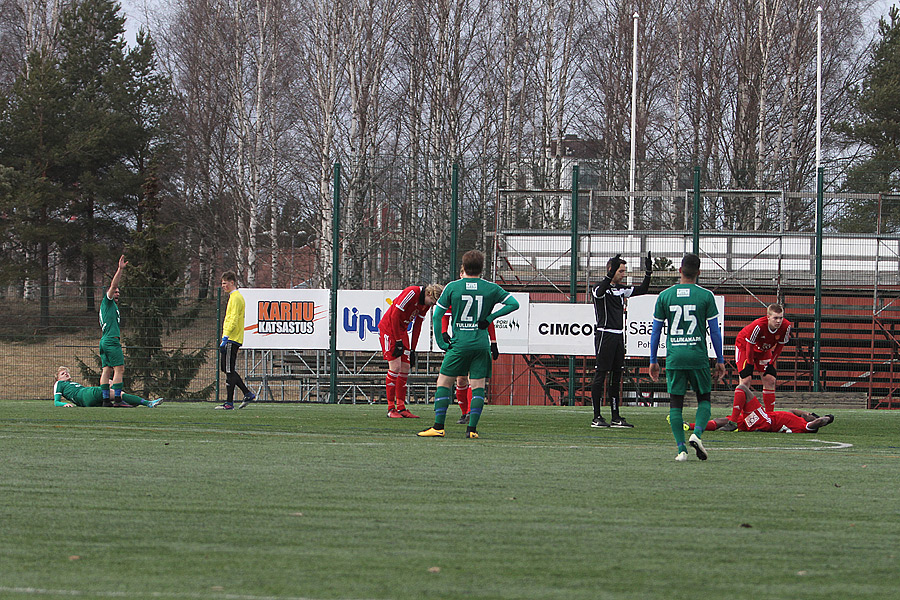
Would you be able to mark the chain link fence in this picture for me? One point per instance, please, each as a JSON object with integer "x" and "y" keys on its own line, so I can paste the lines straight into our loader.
{"x": 757, "y": 247}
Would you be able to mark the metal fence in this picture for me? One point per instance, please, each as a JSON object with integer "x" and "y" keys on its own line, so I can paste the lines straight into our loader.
{"x": 757, "y": 246}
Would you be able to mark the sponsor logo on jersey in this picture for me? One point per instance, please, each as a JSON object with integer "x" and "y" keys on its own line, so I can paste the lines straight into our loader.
{"x": 286, "y": 317}
{"x": 683, "y": 292}
{"x": 471, "y": 285}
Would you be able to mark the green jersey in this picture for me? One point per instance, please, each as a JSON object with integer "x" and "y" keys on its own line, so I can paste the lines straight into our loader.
{"x": 470, "y": 299}
{"x": 109, "y": 318}
{"x": 686, "y": 308}
{"x": 77, "y": 394}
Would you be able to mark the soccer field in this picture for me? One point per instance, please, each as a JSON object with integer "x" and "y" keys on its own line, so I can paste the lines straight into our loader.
{"x": 338, "y": 502}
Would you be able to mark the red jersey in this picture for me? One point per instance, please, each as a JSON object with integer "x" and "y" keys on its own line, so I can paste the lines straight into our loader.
{"x": 778, "y": 421}
{"x": 758, "y": 338}
{"x": 406, "y": 308}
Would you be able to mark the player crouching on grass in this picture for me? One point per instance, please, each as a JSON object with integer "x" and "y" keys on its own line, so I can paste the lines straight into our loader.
{"x": 410, "y": 306}
{"x": 756, "y": 348}
{"x": 69, "y": 394}
{"x": 471, "y": 301}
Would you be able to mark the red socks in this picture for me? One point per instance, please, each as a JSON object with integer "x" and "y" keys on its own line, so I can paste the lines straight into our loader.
{"x": 769, "y": 400}
{"x": 390, "y": 388}
{"x": 463, "y": 398}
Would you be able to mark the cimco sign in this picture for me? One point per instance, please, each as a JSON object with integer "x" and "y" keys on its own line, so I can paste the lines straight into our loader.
{"x": 561, "y": 329}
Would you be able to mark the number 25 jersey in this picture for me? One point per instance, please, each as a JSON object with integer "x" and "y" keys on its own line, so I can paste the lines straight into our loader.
{"x": 686, "y": 308}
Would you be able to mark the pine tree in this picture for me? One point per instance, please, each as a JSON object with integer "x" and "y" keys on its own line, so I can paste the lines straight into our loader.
{"x": 878, "y": 129}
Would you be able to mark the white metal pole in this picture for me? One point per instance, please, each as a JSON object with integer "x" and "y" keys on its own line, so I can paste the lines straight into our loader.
{"x": 634, "y": 55}
{"x": 818, "y": 88}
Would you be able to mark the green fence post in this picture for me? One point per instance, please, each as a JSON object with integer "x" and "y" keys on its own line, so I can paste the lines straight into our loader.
{"x": 218, "y": 335}
{"x": 454, "y": 221}
{"x": 335, "y": 257}
{"x": 696, "y": 211}
{"x": 573, "y": 273}
{"x": 817, "y": 337}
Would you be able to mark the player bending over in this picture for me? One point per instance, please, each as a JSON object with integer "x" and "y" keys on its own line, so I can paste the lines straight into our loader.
{"x": 70, "y": 394}
{"x": 410, "y": 306}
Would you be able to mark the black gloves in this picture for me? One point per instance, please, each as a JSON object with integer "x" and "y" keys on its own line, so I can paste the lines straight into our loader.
{"x": 412, "y": 358}
{"x": 614, "y": 263}
{"x": 483, "y": 324}
{"x": 648, "y": 263}
{"x": 398, "y": 348}
{"x": 495, "y": 351}
{"x": 446, "y": 337}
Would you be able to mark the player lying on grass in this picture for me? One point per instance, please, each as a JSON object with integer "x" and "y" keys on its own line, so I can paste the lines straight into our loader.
{"x": 70, "y": 394}
{"x": 753, "y": 417}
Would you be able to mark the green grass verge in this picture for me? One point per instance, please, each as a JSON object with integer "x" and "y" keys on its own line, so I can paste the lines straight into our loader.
{"x": 338, "y": 502}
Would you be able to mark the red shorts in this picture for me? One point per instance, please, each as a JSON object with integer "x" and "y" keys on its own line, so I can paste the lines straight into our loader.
{"x": 387, "y": 345}
{"x": 744, "y": 355}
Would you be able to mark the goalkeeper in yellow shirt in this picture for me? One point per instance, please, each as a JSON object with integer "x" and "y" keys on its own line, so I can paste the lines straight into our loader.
{"x": 232, "y": 338}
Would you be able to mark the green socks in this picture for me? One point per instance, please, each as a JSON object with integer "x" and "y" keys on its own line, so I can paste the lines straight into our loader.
{"x": 135, "y": 400}
{"x": 704, "y": 410}
{"x": 441, "y": 402}
{"x": 476, "y": 407}
{"x": 676, "y": 419}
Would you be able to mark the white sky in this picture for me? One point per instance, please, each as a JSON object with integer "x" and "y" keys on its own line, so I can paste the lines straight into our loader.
{"x": 135, "y": 11}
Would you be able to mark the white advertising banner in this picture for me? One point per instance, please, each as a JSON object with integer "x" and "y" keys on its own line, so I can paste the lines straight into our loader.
{"x": 512, "y": 329}
{"x": 359, "y": 313}
{"x": 285, "y": 319}
{"x": 640, "y": 326}
{"x": 561, "y": 329}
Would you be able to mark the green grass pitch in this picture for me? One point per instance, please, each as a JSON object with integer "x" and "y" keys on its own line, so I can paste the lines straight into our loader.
{"x": 284, "y": 502}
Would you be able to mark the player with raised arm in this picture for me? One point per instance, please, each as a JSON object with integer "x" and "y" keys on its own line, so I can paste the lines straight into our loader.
{"x": 112, "y": 359}
{"x": 756, "y": 348}
{"x": 688, "y": 309}
{"x": 609, "y": 335}
{"x": 70, "y": 394}
{"x": 473, "y": 305}
{"x": 410, "y": 306}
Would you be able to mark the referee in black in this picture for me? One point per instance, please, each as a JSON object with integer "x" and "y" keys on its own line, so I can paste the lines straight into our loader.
{"x": 609, "y": 335}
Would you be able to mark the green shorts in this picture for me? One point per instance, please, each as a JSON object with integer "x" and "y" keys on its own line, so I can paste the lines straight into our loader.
{"x": 677, "y": 381}
{"x": 92, "y": 396}
{"x": 475, "y": 363}
{"x": 111, "y": 353}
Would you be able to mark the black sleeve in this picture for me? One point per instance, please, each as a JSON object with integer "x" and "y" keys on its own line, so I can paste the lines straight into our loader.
{"x": 643, "y": 288}
{"x": 600, "y": 289}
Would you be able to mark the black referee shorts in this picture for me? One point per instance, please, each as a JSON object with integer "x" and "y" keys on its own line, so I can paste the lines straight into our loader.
{"x": 610, "y": 349}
